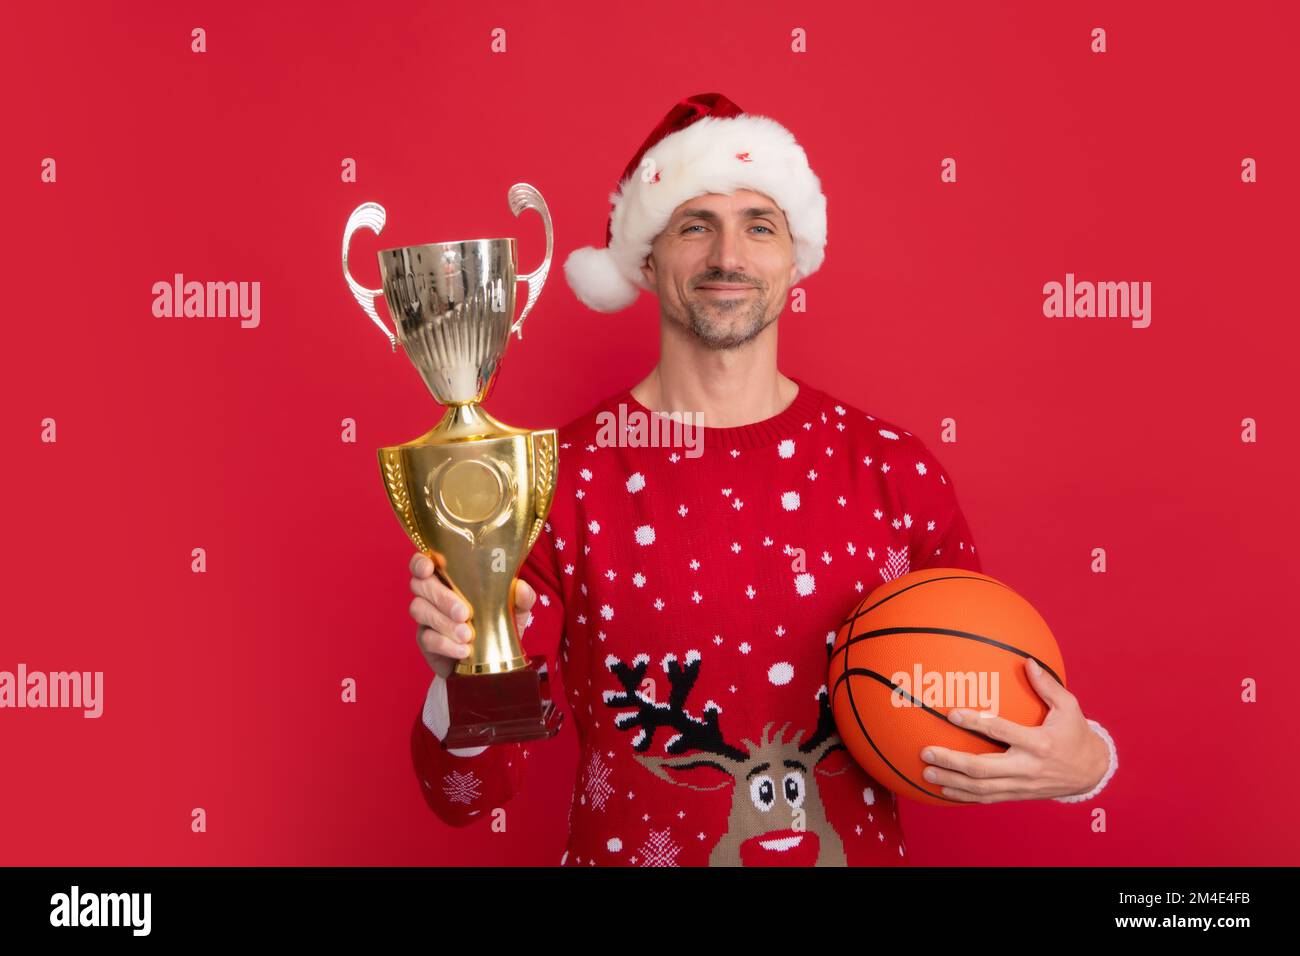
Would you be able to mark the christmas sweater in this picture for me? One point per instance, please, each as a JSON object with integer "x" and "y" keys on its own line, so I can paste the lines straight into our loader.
{"x": 689, "y": 592}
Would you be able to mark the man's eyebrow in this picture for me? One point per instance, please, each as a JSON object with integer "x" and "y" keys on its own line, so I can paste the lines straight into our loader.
{"x": 751, "y": 213}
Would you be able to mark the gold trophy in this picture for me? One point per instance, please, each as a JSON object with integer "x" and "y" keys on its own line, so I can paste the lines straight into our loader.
{"x": 472, "y": 493}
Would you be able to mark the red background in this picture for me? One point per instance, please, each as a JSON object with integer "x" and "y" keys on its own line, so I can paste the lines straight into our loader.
{"x": 222, "y": 689}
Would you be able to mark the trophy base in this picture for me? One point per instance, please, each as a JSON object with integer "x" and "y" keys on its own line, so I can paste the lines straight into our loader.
{"x": 486, "y": 709}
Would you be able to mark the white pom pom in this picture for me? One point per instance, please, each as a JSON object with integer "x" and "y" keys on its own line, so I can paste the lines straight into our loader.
{"x": 596, "y": 281}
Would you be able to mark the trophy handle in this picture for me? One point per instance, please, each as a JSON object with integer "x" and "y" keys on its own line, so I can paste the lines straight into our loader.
{"x": 371, "y": 215}
{"x": 523, "y": 196}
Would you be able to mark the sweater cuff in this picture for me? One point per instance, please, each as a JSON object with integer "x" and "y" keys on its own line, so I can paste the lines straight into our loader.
{"x": 1110, "y": 771}
{"x": 437, "y": 717}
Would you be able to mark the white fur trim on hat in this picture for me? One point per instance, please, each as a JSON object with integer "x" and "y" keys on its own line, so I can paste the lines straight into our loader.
{"x": 595, "y": 279}
{"x": 713, "y": 155}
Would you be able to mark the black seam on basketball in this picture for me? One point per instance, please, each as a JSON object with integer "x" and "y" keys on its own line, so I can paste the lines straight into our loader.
{"x": 946, "y": 577}
{"x": 950, "y": 632}
{"x": 858, "y": 717}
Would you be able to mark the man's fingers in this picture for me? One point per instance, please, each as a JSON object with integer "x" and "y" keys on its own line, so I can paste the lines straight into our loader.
{"x": 979, "y": 766}
{"x": 966, "y": 796}
{"x": 525, "y": 596}
{"x": 440, "y": 612}
{"x": 427, "y": 584}
{"x": 440, "y": 596}
{"x": 979, "y": 790}
{"x": 435, "y": 642}
{"x": 424, "y": 613}
{"x": 1047, "y": 686}
{"x": 990, "y": 725}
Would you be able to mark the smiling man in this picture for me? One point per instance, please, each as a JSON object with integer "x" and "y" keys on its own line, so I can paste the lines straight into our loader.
{"x": 691, "y": 602}
{"x": 727, "y": 304}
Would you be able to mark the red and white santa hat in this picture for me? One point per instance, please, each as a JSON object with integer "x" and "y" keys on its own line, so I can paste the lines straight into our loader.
{"x": 705, "y": 144}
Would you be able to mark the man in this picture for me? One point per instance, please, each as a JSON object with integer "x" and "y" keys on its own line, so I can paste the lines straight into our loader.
{"x": 690, "y": 594}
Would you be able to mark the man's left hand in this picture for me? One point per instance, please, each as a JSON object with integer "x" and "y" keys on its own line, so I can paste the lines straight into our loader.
{"x": 1061, "y": 757}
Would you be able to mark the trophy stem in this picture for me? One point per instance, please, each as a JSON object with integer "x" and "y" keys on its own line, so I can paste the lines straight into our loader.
{"x": 468, "y": 421}
{"x": 493, "y": 638}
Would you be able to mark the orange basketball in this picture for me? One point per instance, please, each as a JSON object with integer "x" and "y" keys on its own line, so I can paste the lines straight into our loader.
{"x": 920, "y": 645}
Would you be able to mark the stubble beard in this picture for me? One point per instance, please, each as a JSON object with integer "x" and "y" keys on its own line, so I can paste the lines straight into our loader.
{"x": 705, "y": 320}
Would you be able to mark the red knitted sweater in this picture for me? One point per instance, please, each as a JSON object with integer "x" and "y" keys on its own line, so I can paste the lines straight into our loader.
{"x": 689, "y": 596}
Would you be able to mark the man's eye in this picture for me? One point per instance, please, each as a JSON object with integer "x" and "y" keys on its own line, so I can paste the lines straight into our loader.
{"x": 698, "y": 226}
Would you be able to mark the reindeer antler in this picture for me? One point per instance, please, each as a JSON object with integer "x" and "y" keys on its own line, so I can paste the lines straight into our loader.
{"x": 826, "y": 728}
{"x": 693, "y": 733}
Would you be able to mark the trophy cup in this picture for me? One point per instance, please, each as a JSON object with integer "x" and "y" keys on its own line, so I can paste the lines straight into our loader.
{"x": 472, "y": 493}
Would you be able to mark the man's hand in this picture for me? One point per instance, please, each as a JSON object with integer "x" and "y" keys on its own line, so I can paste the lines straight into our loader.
{"x": 443, "y": 634}
{"x": 1060, "y": 758}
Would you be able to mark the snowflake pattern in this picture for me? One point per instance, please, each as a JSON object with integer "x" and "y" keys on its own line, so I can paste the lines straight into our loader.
{"x": 597, "y": 788}
{"x": 659, "y": 849}
{"x": 461, "y": 787}
{"x": 896, "y": 565}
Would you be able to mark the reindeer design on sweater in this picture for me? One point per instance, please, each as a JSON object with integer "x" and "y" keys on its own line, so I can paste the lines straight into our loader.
{"x": 777, "y": 816}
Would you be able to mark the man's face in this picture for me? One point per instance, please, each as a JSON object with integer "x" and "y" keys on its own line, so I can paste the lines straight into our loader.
{"x": 722, "y": 266}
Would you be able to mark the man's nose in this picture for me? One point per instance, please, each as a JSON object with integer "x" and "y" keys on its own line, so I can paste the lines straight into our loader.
{"x": 725, "y": 255}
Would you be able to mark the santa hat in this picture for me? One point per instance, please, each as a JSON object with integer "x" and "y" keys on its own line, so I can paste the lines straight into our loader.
{"x": 705, "y": 144}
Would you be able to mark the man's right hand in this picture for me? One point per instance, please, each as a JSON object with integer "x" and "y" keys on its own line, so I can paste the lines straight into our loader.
{"x": 441, "y": 614}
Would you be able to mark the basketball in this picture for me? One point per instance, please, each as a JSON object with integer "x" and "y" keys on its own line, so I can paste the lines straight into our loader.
{"x": 920, "y": 645}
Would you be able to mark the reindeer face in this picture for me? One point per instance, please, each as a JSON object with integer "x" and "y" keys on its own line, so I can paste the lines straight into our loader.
{"x": 782, "y": 795}
{"x": 776, "y": 816}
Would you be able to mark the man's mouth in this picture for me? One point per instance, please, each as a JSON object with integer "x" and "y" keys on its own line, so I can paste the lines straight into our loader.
{"x": 724, "y": 288}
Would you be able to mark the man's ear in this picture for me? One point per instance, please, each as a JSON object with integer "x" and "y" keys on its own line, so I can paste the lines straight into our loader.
{"x": 648, "y": 269}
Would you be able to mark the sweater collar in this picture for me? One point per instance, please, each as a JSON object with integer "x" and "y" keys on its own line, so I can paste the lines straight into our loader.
{"x": 807, "y": 405}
